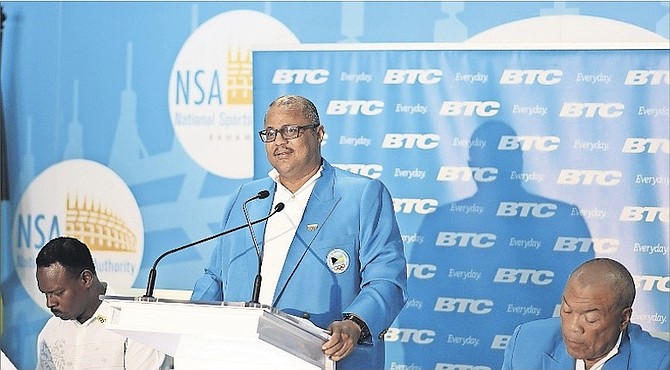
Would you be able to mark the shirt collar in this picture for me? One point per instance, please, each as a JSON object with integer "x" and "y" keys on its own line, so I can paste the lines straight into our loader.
{"x": 274, "y": 175}
{"x": 580, "y": 365}
{"x": 101, "y": 315}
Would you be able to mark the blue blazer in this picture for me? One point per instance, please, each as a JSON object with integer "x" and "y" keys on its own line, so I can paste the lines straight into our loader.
{"x": 345, "y": 212}
{"x": 539, "y": 345}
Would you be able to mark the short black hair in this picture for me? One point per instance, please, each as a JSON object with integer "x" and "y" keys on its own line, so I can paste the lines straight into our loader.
{"x": 300, "y": 103}
{"x": 69, "y": 252}
{"x": 614, "y": 273}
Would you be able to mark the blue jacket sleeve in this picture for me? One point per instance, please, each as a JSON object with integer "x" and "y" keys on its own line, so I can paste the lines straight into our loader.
{"x": 209, "y": 287}
{"x": 383, "y": 265}
{"x": 509, "y": 350}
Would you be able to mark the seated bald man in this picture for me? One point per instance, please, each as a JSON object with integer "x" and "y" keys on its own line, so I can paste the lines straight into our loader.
{"x": 593, "y": 332}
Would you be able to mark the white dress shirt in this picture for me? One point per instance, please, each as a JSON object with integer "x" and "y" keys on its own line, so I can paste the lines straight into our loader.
{"x": 71, "y": 345}
{"x": 280, "y": 230}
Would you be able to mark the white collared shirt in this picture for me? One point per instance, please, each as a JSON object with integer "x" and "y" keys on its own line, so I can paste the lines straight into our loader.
{"x": 71, "y": 345}
{"x": 280, "y": 230}
{"x": 581, "y": 365}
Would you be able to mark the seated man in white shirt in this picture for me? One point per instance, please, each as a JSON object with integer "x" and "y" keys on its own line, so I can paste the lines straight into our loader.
{"x": 76, "y": 337}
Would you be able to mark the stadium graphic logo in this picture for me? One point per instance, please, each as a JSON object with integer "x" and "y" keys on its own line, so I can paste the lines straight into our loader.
{"x": 210, "y": 90}
{"x": 88, "y": 201}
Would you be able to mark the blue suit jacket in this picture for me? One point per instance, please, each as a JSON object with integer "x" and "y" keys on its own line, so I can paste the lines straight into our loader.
{"x": 345, "y": 211}
{"x": 539, "y": 345}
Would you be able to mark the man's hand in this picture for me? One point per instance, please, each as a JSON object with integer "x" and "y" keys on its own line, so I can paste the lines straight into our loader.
{"x": 343, "y": 339}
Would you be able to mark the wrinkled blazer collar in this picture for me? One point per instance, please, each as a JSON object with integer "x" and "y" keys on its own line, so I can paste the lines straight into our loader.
{"x": 561, "y": 360}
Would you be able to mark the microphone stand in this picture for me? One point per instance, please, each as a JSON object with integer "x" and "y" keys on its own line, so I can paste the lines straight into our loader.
{"x": 257, "y": 281}
{"x": 4, "y": 177}
{"x": 151, "y": 282}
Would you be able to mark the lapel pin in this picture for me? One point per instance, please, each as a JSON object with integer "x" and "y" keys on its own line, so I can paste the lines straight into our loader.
{"x": 312, "y": 227}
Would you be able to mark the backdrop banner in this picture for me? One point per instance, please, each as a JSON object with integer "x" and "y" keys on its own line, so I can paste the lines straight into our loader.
{"x": 507, "y": 168}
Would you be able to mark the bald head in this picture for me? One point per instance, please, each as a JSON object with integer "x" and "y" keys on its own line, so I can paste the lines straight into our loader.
{"x": 609, "y": 272}
{"x": 596, "y": 309}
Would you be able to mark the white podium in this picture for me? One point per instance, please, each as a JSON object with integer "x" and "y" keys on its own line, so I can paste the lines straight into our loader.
{"x": 216, "y": 335}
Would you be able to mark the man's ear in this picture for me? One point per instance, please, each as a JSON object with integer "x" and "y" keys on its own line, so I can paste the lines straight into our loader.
{"x": 626, "y": 314}
{"x": 320, "y": 132}
{"x": 86, "y": 277}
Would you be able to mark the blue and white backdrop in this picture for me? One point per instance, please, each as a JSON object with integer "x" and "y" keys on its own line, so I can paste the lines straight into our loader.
{"x": 517, "y": 139}
{"x": 508, "y": 168}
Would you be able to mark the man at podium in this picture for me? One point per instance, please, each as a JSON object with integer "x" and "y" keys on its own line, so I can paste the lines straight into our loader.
{"x": 332, "y": 253}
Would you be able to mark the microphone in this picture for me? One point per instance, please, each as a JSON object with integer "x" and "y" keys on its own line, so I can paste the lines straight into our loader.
{"x": 151, "y": 283}
{"x": 257, "y": 281}
{"x": 261, "y": 195}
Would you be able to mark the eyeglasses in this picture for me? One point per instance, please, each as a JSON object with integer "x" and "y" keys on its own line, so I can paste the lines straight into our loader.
{"x": 288, "y": 132}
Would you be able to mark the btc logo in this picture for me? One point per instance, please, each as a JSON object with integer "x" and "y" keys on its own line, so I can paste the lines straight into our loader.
{"x": 571, "y": 244}
{"x": 299, "y": 76}
{"x": 526, "y": 143}
{"x": 479, "y": 174}
{"x": 405, "y": 335}
{"x": 461, "y": 239}
{"x": 500, "y": 341}
{"x": 530, "y": 76}
{"x": 647, "y": 77}
{"x": 409, "y": 141}
{"x": 646, "y": 214}
{"x": 421, "y": 271}
{"x": 354, "y": 107}
{"x": 468, "y": 108}
{"x": 590, "y": 110}
{"x": 372, "y": 171}
{"x": 412, "y": 76}
{"x": 443, "y": 366}
{"x": 523, "y": 276}
{"x": 588, "y": 177}
{"x": 647, "y": 282}
{"x": 462, "y": 305}
{"x": 420, "y": 206}
{"x": 637, "y": 145}
{"x": 525, "y": 209}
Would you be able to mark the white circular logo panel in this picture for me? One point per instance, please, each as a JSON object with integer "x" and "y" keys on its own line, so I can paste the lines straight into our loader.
{"x": 338, "y": 260}
{"x": 210, "y": 90}
{"x": 88, "y": 201}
